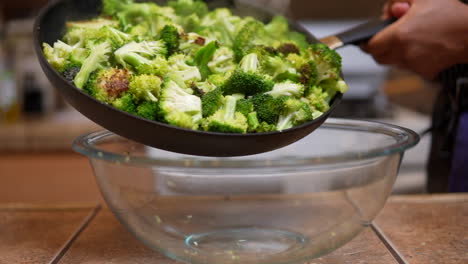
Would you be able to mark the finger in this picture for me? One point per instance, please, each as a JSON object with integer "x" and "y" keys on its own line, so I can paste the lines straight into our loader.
{"x": 399, "y": 9}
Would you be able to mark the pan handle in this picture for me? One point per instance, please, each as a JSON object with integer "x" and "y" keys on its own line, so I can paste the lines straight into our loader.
{"x": 358, "y": 34}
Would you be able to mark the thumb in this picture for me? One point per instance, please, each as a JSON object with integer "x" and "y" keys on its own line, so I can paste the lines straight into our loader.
{"x": 399, "y": 9}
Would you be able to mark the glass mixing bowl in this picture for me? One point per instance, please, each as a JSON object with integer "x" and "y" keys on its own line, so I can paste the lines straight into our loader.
{"x": 285, "y": 206}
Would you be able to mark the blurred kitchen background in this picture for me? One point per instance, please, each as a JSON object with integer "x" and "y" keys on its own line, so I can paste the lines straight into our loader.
{"x": 37, "y": 126}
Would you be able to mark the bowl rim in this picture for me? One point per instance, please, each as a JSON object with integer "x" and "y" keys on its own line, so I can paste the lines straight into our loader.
{"x": 405, "y": 139}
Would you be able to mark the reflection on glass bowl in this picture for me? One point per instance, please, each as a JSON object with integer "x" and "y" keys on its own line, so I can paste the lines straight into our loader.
{"x": 285, "y": 206}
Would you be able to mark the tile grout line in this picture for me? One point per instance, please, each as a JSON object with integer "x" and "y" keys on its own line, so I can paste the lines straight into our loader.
{"x": 58, "y": 256}
{"x": 388, "y": 244}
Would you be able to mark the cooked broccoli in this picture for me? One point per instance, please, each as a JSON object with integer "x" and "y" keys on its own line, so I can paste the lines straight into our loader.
{"x": 268, "y": 108}
{"x": 295, "y": 112}
{"x": 318, "y": 99}
{"x": 204, "y": 56}
{"x": 212, "y": 102}
{"x": 148, "y": 110}
{"x": 95, "y": 60}
{"x": 145, "y": 87}
{"x": 170, "y": 35}
{"x": 108, "y": 84}
{"x": 220, "y": 25}
{"x": 111, "y": 7}
{"x": 276, "y": 66}
{"x": 278, "y": 26}
{"x": 184, "y": 65}
{"x": 245, "y": 106}
{"x": 223, "y": 61}
{"x": 226, "y": 119}
{"x": 247, "y": 80}
{"x": 287, "y": 88}
{"x": 332, "y": 87}
{"x": 179, "y": 108}
{"x": 327, "y": 60}
{"x": 185, "y": 8}
{"x": 125, "y": 103}
{"x": 190, "y": 43}
{"x": 204, "y": 87}
{"x": 310, "y": 75}
{"x": 243, "y": 43}
{"x": 140, "y": 55}
{"x": 59, "y": 55}
{"x": 288, "y": 48}
{"x": 116, "y": 37}
{"x": 187, "y": 73}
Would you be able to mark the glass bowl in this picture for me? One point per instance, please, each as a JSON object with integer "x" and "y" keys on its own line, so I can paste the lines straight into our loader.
{"x": 284, "y": 206}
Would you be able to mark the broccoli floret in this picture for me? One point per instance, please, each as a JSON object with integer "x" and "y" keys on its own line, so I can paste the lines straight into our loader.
{"x": 327, "y": 60}
{"x": 297, "y": 61}
{"x": 220, "y": 25}
{"x": 268, "y": 108}
{"x": 227, "y": 120}
{"x": 276, "y": 66}
{"x": 310, "y": 75}
{"x": 223, "y": 61}
{"x": 116, "y": 37}
{"x": 332, "y": 87}
{"x": 150, "y": 14}
{"x": 179, "y": 66}
{"x": 170, "y": 35}
{"x": 125, "y": 103}
{"x": 204, "y": 56}
{"x": 295, "y": 112}
{"x": 245, "y": 107}
{"x": 139, "y": 55}
{"x": 190, "y": 22}
{"x": 317, "y": 99}
{"x": 278, "y": 26}
{"x": 247, "y": 80}
{"x": 111, "y": 7}
{"x": 212, "y": 102}
{"x": 185, "y": 8}
{"x": 204, "y": 87}
{"x": 145, "y": 87}
{"x": 287, "y": 88}
{"x": 106, "y": 85}
{"x": 298, "y": 38}
{"x": 243, "y": 43}
{"x": 219, "y": 79}
{"x": 148, "y": 110}
{"x": 59, "y": 55}
{"x": 178, "y": 107}
{"x": 247, "y": 83}
{"x": 95, "y": 60}
{"x": 190, "y": 43}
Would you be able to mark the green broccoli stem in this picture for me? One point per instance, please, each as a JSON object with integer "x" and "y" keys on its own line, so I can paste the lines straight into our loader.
{"x": 150, "y": 96}
{"x": 249, "y": 63}
{"x": 252, "y": 120}
{"x": 230, "y": 107}
{"x": 135, "y": 60}
{"x": 284, "y": 122}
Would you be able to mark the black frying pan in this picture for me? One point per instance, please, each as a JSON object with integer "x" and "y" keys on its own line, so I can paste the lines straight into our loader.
{"x": 50, "y": 26}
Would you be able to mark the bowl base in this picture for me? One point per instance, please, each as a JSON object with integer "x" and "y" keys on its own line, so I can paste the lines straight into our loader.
{"x": 246, "y": 241}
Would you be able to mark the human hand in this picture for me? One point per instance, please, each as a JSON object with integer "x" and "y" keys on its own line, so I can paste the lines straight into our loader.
{"x": 430, "y": 36}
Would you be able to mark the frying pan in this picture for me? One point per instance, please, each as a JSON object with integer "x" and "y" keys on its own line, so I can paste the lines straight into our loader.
{"x": 50, "y": 26}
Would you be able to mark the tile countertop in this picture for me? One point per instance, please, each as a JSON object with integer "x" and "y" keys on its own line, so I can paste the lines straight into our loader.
{"x": 410, "y": 230}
